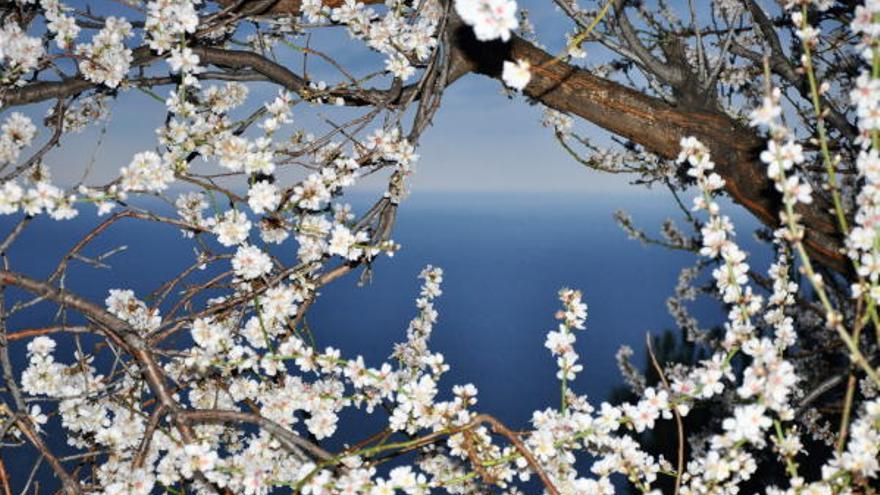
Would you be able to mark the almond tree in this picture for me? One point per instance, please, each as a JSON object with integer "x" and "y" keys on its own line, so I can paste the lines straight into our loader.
{"x": 774, "y": 106}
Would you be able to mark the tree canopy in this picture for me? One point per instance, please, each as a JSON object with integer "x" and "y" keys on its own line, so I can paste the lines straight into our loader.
{"x": 772, "y": 104}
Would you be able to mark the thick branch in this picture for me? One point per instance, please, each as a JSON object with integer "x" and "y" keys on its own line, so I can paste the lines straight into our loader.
{"x": 240, "y": 59}
{"x": 659, "y": 127}
{"x": 288, "y": 439}
{"x": 645, "y": 120}
{"x": 650, "y": 122}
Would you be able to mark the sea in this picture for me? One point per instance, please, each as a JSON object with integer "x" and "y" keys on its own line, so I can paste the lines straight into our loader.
{"x": 504, "y": 256}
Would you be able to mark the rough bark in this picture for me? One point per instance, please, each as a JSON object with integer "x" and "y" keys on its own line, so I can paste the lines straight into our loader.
{"x": 645, "y": 120}
{"x": 658, "y": 127}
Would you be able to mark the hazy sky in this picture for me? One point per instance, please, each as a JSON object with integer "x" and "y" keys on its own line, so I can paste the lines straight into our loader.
{"x": 481, "y": 138}
{"x": 484, "y": 140}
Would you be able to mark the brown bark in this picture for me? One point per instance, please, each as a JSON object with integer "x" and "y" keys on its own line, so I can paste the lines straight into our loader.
{"x": 658, "y": 127}
{"x": 645, "y": 120}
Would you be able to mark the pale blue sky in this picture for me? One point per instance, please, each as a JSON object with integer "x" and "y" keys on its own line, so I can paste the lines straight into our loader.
{"x": 481, "y": 140}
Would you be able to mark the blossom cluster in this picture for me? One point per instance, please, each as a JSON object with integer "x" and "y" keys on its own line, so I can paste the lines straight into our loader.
{"x": 404, "y": 34}
{"x": 248, "y": 354}
{"x": 39, "y": 196}
{"x": 124, "y": 305}
{"x": 490, "y": 19}
{"x": 62, "y": 26}
{"x": 19, "y": 53}
{"x": 168, "y": 21}
{"x": 106, "y": 60}
{"x": 561, "y": 342}
{"x": 862, "y": 240}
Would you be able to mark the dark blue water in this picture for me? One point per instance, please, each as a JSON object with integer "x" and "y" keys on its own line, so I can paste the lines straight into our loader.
{"x": 504, "y": 257}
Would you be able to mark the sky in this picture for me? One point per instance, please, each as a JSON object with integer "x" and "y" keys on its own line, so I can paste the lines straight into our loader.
{"x": 506, "y": 249}
{"x": 481, "y": 139}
